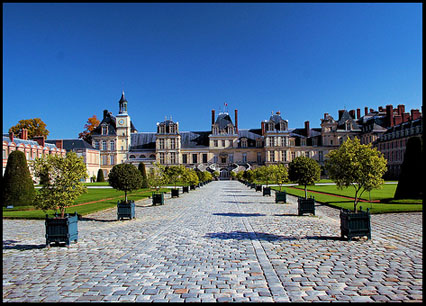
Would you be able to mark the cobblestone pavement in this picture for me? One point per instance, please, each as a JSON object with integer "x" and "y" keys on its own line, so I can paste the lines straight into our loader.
{"x": 221, "y": 242}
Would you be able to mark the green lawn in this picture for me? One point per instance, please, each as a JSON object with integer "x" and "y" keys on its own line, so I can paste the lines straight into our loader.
{"x": 332, "y": 200}
{"x": 109, "y": 199}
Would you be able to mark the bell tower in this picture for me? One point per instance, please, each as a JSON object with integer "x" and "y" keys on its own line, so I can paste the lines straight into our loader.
{"x": 123, "y": 130}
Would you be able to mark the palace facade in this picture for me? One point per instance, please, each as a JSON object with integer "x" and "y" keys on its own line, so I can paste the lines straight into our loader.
{"x": 224, "y": 147}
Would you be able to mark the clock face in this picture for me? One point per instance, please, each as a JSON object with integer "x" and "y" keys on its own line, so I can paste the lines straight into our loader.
{"x": 121, "y": 122}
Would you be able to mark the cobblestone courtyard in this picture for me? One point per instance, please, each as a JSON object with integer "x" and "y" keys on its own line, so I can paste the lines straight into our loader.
{"x": 221, "y": 242}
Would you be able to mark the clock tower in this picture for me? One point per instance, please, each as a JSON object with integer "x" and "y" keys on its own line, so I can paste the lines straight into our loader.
{"x": 123, "y": 127}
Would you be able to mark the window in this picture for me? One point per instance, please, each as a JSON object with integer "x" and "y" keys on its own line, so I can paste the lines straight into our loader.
{"x": 215, "y": 159}
{"x": 104, "y": 130}
{"x": 172, "y": 129}
{"x": 284, "y": 156}
{"x": 104, "y": 145}
{"x": 184, "y": 158}
{"x": 231, "y": 158}
{"x": 173, "y": 158}
{"x": 307, "y": 154}
{"x": 104, "y": 159}
{"x": 272, "y": 156}
{"x": 216, "y": 144}
{"x": 259, "y": 142}
{"x": 172, "y": 144}
{"x": 244, "y": 143}
{"x": 161, "y": 158}
{"x": 223, "y": 143}
{"x": 161, "y": 144}
{"x": 112, "y": 145}
{"x": 97, "y": 144}
{"x": 112, "y": 160}
{"x": 293, "y": 155}
{"x": 194, "y": 158}
{"x": 259, "y": 158}
{"x": 223, "y": 160}
{"x": 205, "y": 158}
{"x": 244, "y": 157}
{"x": 320, "y": 155}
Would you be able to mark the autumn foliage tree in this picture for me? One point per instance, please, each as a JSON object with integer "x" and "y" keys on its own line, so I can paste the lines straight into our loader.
{"x": 35, "y": 127}
{"x": 91, "y": 124}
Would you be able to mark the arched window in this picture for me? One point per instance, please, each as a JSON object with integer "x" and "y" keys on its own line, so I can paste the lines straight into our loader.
{"x": 142, "y": 156}
{"x": 132, "y": 156}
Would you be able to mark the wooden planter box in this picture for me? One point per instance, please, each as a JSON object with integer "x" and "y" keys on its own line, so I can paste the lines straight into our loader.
{"x": 252, "y": 185}
{"x": 266, "y": 191}
{"x": 185, "y": 189}
{"x": 280, "y": 196}
{"x": 258, "y": 188}
{"x": 355, "y": 224}
{"x": 61, "y": 230}
{"x": 158, "y": 198}
{"x": 125, "y": 210}
{"x": 175, "y": 193}
{"x": 306, "y": 206}
{"x": 192, "y": 187}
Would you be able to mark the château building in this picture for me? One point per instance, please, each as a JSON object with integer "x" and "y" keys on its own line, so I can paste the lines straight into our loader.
{"x": 225, "y": 147}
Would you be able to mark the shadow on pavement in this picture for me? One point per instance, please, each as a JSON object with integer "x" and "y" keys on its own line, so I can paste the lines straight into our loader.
{"x": 238, "y": 235}
{"x": 239, "y": 215}
{"x": 93, "y": 219}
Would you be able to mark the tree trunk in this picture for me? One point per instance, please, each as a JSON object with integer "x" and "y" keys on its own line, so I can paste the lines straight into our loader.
{"x": 125, "y": 196}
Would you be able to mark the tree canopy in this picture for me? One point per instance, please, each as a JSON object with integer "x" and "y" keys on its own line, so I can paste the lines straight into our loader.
{"x": 304, "y": 171}
{"x": 357, "y": 165}
{"x": 279, "y": 174}
{"x": 35, "y": 127}
{"x": 125, "y": 177}
{"x": 61, "y": 180}
{"x": 91, "y": 124}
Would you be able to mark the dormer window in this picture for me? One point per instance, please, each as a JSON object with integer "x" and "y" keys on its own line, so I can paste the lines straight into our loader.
{"x": 104, "y": 130}
{"x": 244, "y": 143}
{"x": 270, "y": 126}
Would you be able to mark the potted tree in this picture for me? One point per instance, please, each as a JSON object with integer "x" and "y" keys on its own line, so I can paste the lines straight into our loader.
{"x": 61, "y": 184}
{"x": 193, "y": 179}
{"x": 266, "y": 175}
{"x": 156, "y": 179}
{"x": 279, "y": 175}
{"x": 216, "y": 175}
{"x": 361, "y": 167}
{"x": 304, "y": 171}
{"x": 125, "y": 177}
{"x": 174, "y": 174}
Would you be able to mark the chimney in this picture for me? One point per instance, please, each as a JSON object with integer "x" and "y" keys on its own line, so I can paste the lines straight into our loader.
{"x": 401, "y": 109}
{"x": 60, "y": 144}
{"x": 24, "y": 134}
{"x": 371, "y": 110}
{"x": 397, "y": 119}
{"x": 341, "y": 111}
{"x": 40, "y": 140}
{"x": 405, "y": 117}
{"x": 366, "y": 111}
{"x": 325, "y": 115}
{"x": 236, "y": 120}
{"x": 105, "y": 113}
{"x": 358, "y": 113}
{"x": 11, "y": 136}
{"x": 213, "y": 116}
{"x": 263, "y": 128}
{"x": 381, "y": 109}
{"x": 389, "y": 115}
{"x": 307, "y": 130}
{"x": 352, "y": 113}
{"x": 415, "y": 114}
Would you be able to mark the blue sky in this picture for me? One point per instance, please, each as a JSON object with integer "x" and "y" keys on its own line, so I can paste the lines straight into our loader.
{"x": 66, "y": 62}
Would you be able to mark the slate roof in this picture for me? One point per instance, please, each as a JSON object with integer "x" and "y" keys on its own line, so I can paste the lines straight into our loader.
{"x": 18, "y": 141}
{"x": 70, "y": 144}
{"x": 223, "y": 120}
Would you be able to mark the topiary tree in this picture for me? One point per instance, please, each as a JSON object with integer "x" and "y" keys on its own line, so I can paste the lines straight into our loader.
{"x": 304, "y": 171}
{"x": 264, "y": 174}
{"x": 142, "y": 169}
{"x": 233, "y": 175}
{"x": 411, "y": 177}
{"x": 18, "y": 186}
{"x": 61, "y": 180}
{"x": 357, "y": 165}
{"x": 100, "y": 176}
{"x": 249, "y": 175}
{"x": 174, "y": 174}
{"x": 216, "y": 174}
{"x": 125, "y": 177}
{"x": 207, "y": 176}
{"x": 156, "y": 176}
{"x": 279, "y": 174}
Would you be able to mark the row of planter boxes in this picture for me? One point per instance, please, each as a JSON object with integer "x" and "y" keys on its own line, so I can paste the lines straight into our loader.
{"x": 351, "y": 224}
{"x": 65, "y": 230}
